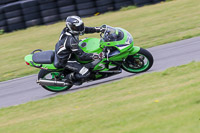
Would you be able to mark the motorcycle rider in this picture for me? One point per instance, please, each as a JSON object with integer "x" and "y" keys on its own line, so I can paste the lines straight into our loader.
{"x": 68, "y": 45}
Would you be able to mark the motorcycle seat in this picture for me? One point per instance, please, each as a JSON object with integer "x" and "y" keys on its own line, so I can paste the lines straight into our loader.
{"x": 44, "y": 57}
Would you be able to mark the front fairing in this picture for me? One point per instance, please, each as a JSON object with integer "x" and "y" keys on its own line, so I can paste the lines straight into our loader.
{"x": 123, "y": 44}
{"x": 120, "y": 49}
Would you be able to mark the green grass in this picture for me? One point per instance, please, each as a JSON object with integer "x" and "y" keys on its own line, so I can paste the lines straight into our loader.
{"x": 150, "y": 26}
{"x": 162, "y": 102}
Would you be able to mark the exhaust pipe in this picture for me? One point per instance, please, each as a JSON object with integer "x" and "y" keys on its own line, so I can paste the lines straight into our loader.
{"x": 52, "y": 83}
{"x": 112, "y": 72}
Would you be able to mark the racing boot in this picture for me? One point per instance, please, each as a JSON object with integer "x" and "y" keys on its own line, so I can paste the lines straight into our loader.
{"x": 77, "y": 78}
{"x": 71, "y": 79}
{"x": 81, "y": 73}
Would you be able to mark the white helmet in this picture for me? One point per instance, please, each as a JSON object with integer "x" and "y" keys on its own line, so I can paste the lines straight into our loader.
{"x": 75, "y": 25}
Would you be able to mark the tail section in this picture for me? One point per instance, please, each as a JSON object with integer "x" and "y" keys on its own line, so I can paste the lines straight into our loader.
{"x": 42, "y": 59}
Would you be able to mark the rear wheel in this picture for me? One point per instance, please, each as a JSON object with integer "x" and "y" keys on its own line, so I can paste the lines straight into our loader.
{"x": 44, "y": 74}
{"x": 139, "y": 62}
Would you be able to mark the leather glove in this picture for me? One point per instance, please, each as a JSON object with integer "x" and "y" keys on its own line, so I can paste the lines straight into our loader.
{"x": 98, "y": 56}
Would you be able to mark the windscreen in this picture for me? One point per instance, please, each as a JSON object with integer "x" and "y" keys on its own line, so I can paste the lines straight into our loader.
{"x": 112, "y": 34}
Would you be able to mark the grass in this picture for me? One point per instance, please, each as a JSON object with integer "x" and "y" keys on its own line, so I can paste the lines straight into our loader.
{"x": 162, "y": 102}
{"x": 150, "y": 26}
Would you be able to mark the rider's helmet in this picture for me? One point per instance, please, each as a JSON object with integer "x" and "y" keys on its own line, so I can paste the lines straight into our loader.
{"x": 75, "y": 25}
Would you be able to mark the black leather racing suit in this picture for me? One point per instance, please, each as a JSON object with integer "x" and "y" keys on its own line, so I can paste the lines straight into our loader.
{"x": 68, "y": 45}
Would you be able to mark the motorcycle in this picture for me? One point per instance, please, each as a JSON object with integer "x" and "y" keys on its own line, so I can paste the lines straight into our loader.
{"x": 119, "y": 53}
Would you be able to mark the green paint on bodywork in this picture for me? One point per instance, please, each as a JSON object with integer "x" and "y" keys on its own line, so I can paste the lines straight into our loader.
{"x": 134, "y": 50}
{"x": 100, "y": 65}
{"x": 120, "y": 42}
{"x": 94, "y": 45}
{"x": 120, "y": 56}
{"x": 29, "y": 59}
{"x": 90, "y": 45}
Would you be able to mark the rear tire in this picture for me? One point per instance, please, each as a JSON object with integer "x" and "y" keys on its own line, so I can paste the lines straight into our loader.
{"x": 139, "y": 62}
{"x": 43, "y": 75}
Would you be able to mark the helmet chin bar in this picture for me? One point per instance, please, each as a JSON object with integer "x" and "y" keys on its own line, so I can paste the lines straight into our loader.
{"x": 77, "y": 32}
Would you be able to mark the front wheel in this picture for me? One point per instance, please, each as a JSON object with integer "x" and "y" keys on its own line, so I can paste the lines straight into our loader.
{"x": 139, "y": 62}
{"x": 49, "y": 75}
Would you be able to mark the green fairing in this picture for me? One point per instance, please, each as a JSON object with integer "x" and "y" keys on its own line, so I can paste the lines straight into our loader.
{"x": 119, "y": 57}
{"x": 90, "y": 45}
{"x": 100, "y": 65}
{"x": 94, "y": 45}
{"x": 121, "y": 42}
{"x": 28, "y": 59}
{"x": 134, "y": 50}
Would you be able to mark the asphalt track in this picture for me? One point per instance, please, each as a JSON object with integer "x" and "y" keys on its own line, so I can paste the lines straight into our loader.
{"x": 25, "y": 89}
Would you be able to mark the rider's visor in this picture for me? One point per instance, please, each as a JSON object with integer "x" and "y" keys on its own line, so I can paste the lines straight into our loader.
{"x": 78, "y": 28}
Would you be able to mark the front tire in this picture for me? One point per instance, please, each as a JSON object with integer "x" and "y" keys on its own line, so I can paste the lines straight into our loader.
{"x": 50, "y": 75}
{"x": 139, "y": 62}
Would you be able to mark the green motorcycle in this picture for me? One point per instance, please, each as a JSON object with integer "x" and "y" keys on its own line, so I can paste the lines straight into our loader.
{"x": 119, "y": 53}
